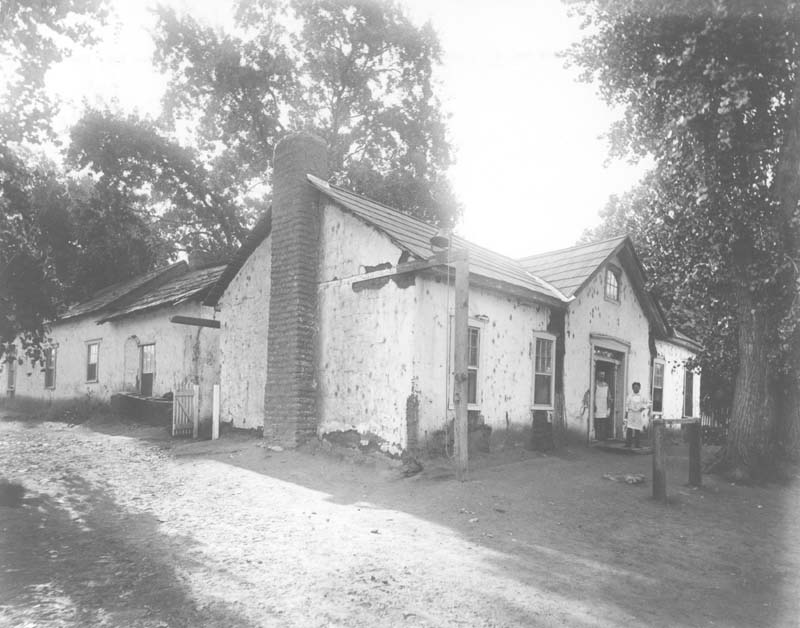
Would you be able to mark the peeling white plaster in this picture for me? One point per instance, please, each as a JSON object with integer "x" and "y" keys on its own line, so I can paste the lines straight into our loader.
{"x": 244, "y": 316}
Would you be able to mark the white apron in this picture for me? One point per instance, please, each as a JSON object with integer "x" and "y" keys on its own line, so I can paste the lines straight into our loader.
{"x": 636, "y": 405}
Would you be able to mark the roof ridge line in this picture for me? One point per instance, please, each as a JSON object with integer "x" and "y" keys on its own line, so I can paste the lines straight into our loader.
{"x": 327, "y": 185}
{"x": 323, "y": 183}
{"x": 574, "y": 246}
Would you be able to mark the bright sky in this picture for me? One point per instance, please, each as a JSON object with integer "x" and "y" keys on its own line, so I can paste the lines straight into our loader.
{"x": 530, "y": 167}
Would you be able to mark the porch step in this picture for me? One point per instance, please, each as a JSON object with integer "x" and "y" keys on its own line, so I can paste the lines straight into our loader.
{"x": 618, "y": 447}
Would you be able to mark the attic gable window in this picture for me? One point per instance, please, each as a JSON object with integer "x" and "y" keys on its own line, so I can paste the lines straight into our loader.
{"x": 612, "y": 283}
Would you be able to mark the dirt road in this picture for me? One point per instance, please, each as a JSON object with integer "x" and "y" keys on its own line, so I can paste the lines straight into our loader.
{"x": 121, "y": 527}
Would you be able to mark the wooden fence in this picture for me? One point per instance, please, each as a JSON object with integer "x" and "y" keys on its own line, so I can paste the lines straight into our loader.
{"x": 186, "y": 412}
{"x": 714, "y": 427}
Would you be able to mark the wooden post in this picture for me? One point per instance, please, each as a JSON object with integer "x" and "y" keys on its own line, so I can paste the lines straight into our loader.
{"x": 695, "y": 472}
{"x": 195, "y": 410}
{"x": 659, "y": 466}
{"x": 215, "y": 413}
{"x": 460, "y": 358}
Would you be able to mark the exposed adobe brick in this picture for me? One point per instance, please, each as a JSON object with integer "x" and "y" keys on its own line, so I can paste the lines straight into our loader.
{"x": 290, "y": 404}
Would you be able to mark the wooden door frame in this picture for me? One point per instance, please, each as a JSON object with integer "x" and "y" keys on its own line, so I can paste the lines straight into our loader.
{"x": 617, "y": 345}
{"x": 141, "y": 365}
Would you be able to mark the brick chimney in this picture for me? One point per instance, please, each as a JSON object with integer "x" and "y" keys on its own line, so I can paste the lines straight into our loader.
{"x": 290, "y": 404}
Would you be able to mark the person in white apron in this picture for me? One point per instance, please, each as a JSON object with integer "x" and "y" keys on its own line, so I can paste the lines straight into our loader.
{"x": 602, "y": 406}
{"x": 636, "y": 407}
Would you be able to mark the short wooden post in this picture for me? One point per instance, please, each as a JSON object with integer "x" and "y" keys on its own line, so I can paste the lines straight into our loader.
{"x": 693, "y": 432}
{"x": 215, "y": 413}
{"x": 195, "y": 410}
{"x": 460, "y": 359}
{"x": 659, "y": 466}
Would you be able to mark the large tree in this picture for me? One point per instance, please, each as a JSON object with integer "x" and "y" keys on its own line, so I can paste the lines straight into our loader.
{"x": 35, "y": 226}
{"x": 356, "y": 72}
{"x": 190, "y": 207}
{"x": 710, "y": 90}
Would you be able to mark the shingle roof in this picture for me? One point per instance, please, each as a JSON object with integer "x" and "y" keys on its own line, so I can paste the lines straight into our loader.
{"x": 194, "y": 284}
{"x": 569, "y": 269}
{"x": 107, "y": 297}
{"x": 413, "y": 235}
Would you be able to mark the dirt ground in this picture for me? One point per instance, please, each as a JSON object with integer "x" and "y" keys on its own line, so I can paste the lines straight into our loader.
{"x": 120, "y": 526}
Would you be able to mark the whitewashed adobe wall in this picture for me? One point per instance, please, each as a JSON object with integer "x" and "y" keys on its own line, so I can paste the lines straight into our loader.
{"x": 675, "y": 357}
{"x": 505, "y": 362}
{"x": 244, "y": 314}
{"x": 380, "y": 344}
{"x": 591, "y": 313}
{"x": 183, "y": 355}
{"x": 365, "y": 342}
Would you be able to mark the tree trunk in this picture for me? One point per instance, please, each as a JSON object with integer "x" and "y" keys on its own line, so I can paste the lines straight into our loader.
{"x": 787, "y": 189}
{"x": 789, "y": 419}
{"x": 788, "y": 432}
{"x": 748, "y": 452}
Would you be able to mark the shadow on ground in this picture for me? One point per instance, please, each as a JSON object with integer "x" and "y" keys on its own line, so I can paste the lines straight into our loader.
{"x": 718, "y": 555}
{"x": 71, "y": 561}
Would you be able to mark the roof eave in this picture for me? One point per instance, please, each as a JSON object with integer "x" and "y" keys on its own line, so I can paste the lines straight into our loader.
{"x": 260, "y": 232}
{"x": 195, "y": 296}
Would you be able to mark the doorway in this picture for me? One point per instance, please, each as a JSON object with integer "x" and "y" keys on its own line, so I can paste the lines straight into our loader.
{"x": 147, "y": 369}
{"x": 608, "y": 367}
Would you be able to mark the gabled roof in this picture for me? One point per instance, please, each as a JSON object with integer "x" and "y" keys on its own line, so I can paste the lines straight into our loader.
{"x": 258, "y": 233}
{"x": 193, "y": 285}
{"x": 106, "y": 298}
{"x": 571, "y": 268}
{"x": 413, "y": 235}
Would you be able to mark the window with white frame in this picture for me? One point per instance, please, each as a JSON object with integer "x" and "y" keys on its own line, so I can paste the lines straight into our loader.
{"x": 544, "y": 363}
{"x": 657, "y": 386}
{"x": 612, "y": 283}
{"x": 474, "y": 361}
{"x": 92, "y": 361}
{"x": 50, "y": 367}
{"x": 688, "y": 393}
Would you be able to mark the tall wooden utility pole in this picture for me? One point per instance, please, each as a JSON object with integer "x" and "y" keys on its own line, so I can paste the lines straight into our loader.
{"x": 460, "y": 358}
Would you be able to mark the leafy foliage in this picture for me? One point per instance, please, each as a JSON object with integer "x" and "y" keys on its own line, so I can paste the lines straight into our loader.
{"x": 61, "y": 240}
{"x": 357, "y": 73}
{"x": 35, "y": 35}
{"x": 139, "y": 169}
{"x": 35, "y": 227}
{"x": 710, "y": 90}
{"x": 34, "y": 234}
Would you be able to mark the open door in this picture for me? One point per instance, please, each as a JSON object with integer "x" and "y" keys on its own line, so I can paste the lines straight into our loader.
{"x": 147, "y": 369}
{"x": 608, "y": 395}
